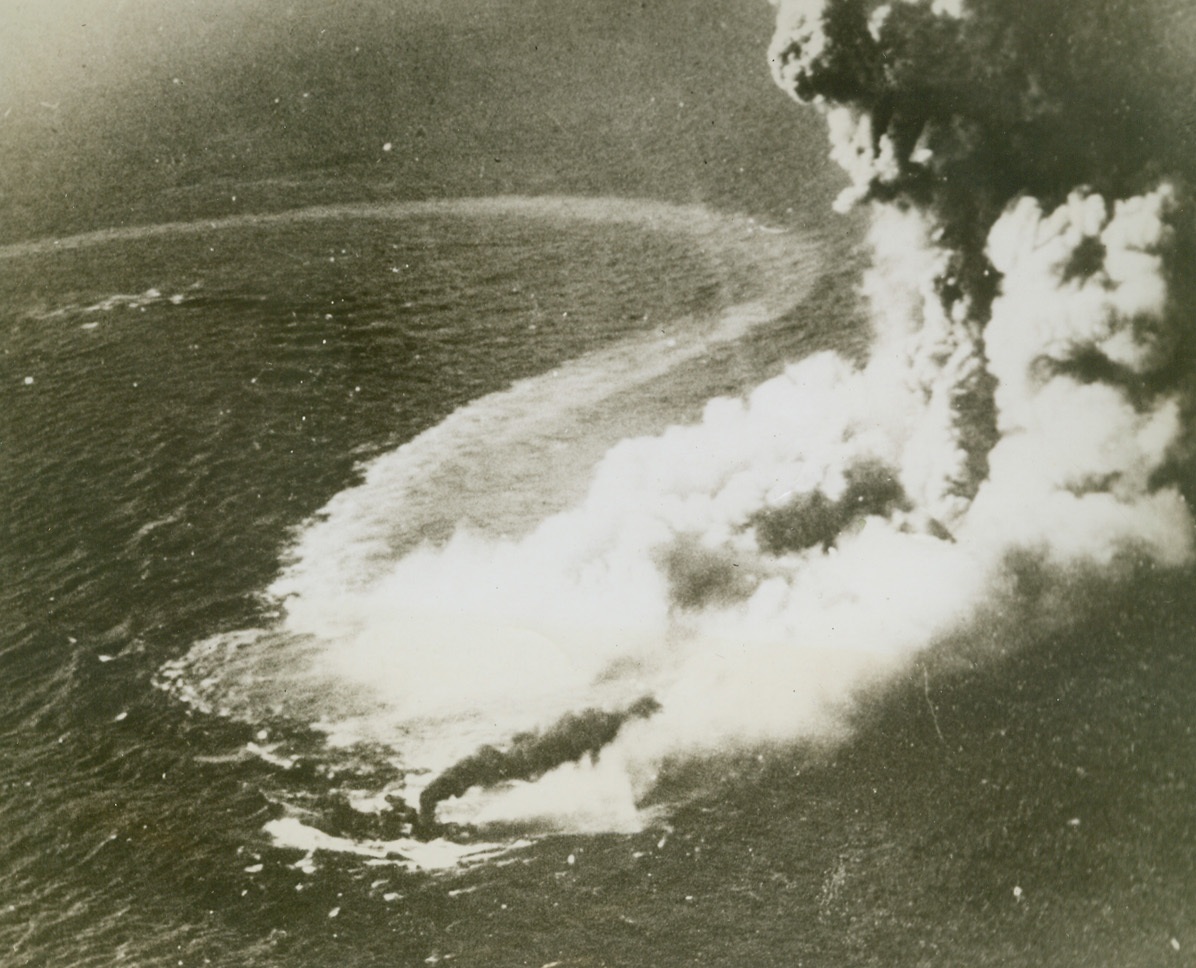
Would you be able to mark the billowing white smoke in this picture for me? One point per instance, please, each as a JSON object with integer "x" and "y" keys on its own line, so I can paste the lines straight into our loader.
{"x": 754, "y": 570}
{"x": 1051, "y": 322}
{"x": 1074, "y": 470}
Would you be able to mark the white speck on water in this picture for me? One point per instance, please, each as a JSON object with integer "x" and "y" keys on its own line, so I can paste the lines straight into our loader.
{"x": 334, "y": 912}
{"x": 254, "y": 868}
{"x": 1074, "y": 822}
{"x": 392, "y": 896}
{"x": 1017, "y": 893}
{"x": 571, "y": 859}
{"x": 1175, "y": 943}
{"x": 121, "y": 717}
{"x": 106, "y": 658}
{"x": 28, "y": 381}
{"x": 387, "y": 147}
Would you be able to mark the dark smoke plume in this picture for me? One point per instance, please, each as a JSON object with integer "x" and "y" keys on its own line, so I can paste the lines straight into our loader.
{"x": 957, "y": 106}
{"x": 1041, "y": 115}
{"x": 531, "y": 755}
{"x": 989, "y": 96}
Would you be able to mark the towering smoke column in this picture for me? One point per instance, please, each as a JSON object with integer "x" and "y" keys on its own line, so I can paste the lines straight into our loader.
{"x": 1024, "y": 400}
{"x": 1023, "y": 256}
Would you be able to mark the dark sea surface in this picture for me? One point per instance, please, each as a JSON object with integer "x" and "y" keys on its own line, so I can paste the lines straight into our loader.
{"x": 178, "y": 402}
{"x": 184, "y": 389}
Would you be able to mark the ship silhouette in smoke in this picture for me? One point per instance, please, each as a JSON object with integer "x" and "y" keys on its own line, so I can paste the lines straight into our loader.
{"x": 529, "y": 756}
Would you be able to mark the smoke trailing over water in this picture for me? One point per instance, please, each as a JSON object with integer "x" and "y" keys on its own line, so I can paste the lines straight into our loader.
{"x": 531, "y": 755}
{"x": 1025, "y": 399}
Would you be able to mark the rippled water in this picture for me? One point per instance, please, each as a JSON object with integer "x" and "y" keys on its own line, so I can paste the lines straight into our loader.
{"x": 177, "y": 404}
{"x": 177, "y": 401}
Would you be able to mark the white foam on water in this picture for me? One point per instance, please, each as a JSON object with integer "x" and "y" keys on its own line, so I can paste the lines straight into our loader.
{"x": 415, "y": 855}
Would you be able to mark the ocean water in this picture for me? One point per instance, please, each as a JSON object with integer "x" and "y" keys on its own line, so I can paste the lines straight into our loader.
{"x": 202, "y": 419}
{"x": 179, "y": 402}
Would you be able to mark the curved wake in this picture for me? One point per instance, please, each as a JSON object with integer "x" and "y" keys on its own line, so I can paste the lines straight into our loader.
{"x": 434, "y": 682}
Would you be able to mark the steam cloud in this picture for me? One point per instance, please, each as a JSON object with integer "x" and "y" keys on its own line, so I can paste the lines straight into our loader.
{"x": 1025, "y": 396}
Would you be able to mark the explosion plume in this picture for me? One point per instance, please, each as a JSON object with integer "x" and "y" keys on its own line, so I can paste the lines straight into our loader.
{"x": 1025, "y": 399}
{"x": 996, "y": 145}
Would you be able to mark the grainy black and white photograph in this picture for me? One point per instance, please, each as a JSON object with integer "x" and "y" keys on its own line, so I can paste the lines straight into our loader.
{"x": 597, "y": 483}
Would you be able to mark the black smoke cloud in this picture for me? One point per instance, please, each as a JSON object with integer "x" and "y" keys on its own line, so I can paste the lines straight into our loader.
{"x": 959, "y": 106}
{"x": 531, "y": 755}
{"x": 813, "y": 519}
{"x": 988, "y": 96}
{"x": 961, "y": 112}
